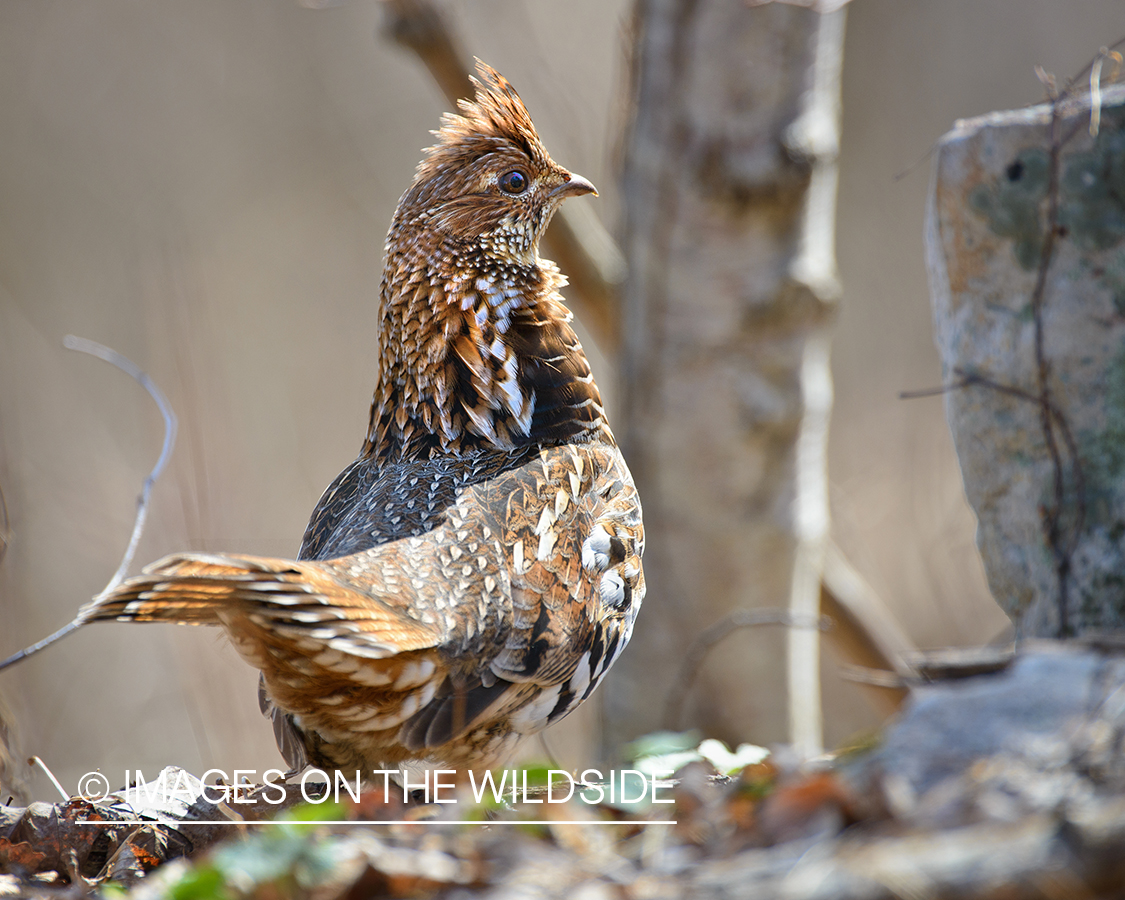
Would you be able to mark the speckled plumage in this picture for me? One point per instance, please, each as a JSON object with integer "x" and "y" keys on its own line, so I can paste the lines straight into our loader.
{"x": 469, "y": 579}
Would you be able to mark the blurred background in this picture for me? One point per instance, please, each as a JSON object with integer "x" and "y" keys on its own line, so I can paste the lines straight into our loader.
{"x": 205, "y": 187}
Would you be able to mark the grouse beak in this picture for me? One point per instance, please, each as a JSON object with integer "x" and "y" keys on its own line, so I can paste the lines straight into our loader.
{"x": 575, "y": 187}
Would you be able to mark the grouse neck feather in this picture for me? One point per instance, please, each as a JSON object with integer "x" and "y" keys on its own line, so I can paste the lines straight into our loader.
{"x": 476, "y": 350}
{"x": 477, "y": 354}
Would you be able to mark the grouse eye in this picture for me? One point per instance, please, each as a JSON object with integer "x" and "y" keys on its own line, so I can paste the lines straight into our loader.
{"x": 514, "y": 182}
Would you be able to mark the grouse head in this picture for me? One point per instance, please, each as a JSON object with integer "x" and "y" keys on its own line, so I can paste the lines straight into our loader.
{"x": 489, "y": 182}
{"x": 476, "y": 349}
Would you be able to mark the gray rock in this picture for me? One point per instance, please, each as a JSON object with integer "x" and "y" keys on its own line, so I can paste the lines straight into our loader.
{"x": 1037, "y": 737}
{"x": 986, "y": 226}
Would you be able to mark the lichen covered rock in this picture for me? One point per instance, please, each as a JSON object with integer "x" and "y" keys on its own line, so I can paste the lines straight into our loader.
{"x": 986, "y": 236}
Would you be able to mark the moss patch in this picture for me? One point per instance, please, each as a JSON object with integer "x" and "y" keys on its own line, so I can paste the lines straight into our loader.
{"x": 1103, "y": 454}
{"x": 1092, "y": 196}
{"x": 1010, "y": 203}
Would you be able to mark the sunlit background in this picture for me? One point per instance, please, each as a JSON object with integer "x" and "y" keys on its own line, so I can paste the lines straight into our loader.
{"x": 205, "y": 187}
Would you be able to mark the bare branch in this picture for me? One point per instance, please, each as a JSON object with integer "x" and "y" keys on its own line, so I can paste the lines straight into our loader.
{"x": 5, "y": 525}
{"x": 419, "y": 26}
{"x": 36, "y": 761}
{"x": 141, "y": 377}
{"x": 880, "y": 678}
{"x": 931, "y": 392}
{"x": 1082, "y": 75}
{"x": 1050, "y": 416}
{"x": 864, "y": 632}
{"x": 705, "y": 642}
{"x": 134, "y": 371}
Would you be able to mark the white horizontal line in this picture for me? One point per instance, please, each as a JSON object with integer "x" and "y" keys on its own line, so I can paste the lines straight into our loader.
{"x": 173, "y": 823}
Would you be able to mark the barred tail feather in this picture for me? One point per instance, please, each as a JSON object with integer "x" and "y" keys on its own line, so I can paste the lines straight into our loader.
{"x": 286, "y": 598}
{"x": 192, "y": 589}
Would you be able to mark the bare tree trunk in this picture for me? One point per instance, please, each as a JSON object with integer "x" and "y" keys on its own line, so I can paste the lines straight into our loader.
{"x": 729, "y": 182}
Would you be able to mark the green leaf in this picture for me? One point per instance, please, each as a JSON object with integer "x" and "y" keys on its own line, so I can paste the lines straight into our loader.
{"x": 660, "y": 743}
{"x": 203, "y": 882}
{"x": 314, "y": 812}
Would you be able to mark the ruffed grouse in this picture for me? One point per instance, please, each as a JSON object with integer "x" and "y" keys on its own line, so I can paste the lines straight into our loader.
{"x": 469, "y": 579}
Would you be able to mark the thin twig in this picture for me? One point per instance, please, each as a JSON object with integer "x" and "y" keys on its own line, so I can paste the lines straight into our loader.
{"x": 1061, "y": 549}
{"x": 135, "y": 372}
{"x": 864, "y": 632}
{"x": 706, "y": 640}
{"x": 1048, "y": 414}
{"x": 1096, "y": 95}
{"x": 1043, "y": 371}
{"x": 1053, "y": 517}
{"x": 902, "y": 173}
{"x": 1096, "y": 85}
{"x": 932, "y": 392}
{"x": 551, "y": 758}
{"x": 1085, "y": 71}
{"x": 41, "y": 645}
{"x": 36, "y": 761}
{"x": 5, "y": 525}
{"x": 1067, "y": 433}
{"x": 130, "y": 368}
{"x": 881, "y": 678}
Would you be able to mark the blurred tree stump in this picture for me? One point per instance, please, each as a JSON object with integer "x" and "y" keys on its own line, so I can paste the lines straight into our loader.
{"x": 729, "y": 185}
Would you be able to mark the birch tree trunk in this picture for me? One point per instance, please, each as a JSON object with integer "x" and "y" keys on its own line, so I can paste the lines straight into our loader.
{"x": 729, "y": 182}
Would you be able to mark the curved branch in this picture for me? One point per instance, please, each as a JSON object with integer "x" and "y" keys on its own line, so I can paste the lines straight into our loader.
{"x": 705, "y": 642}
{"x": 134, "y": 371}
